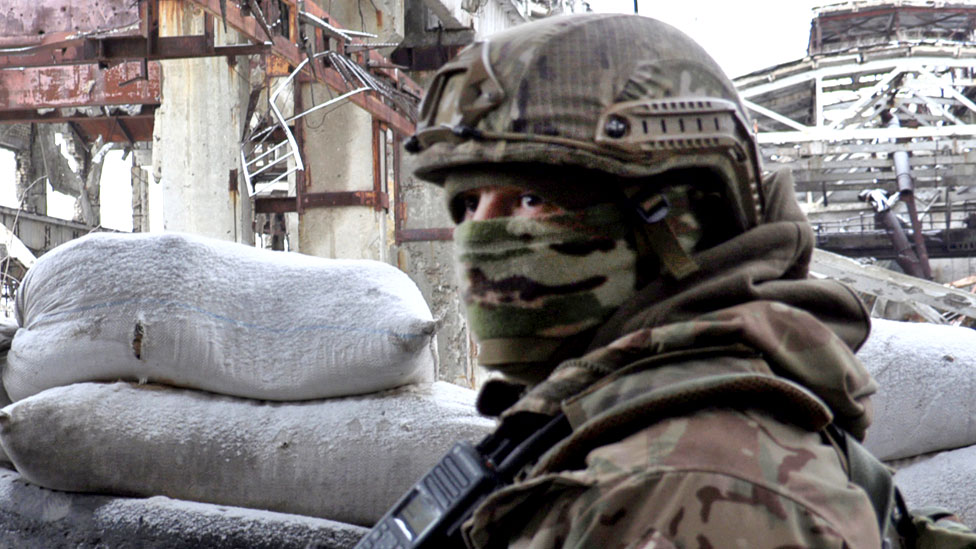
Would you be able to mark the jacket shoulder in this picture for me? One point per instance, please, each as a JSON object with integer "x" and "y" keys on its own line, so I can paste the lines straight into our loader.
{"x": 716, "y": 478}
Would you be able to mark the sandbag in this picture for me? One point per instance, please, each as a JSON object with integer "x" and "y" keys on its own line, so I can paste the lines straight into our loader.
{"x": 8, "y": 329}
{"x": 224, "y": 317}
{"x": 346, "y": 459}
{"x": 927, "y": 378}
{"x": 37, "y": 518}
{"x": 946, "y": 480}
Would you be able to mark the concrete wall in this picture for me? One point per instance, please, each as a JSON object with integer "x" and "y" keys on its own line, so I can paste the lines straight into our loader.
{"x": 431, "y": 266}
{"x": 384, "y": 18}
{"x": 196, "y": 136}
{"x": 486, "y": 17}
{"x": 950, "y": 270}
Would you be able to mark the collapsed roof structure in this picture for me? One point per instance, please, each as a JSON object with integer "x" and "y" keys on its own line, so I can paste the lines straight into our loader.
{"x": 878, "y": 124}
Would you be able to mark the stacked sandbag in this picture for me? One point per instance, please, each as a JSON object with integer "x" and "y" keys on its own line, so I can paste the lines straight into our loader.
{"x": 242, "y": 366}
{"x": 946, "y": 480}
{"x": 8, "y": 329}
{"x": 218, "y": 316}
{"x": 924, "y": 411}
{"x": 345, "y": 459}
{"x": 926, "y": 375}
{"x": 37, "y": 518}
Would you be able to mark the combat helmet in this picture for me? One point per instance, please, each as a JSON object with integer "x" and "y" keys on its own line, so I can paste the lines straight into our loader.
{"x": 621, "y": 94}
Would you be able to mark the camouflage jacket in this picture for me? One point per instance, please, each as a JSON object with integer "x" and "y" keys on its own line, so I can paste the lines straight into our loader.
{"x": 698, "y": 424}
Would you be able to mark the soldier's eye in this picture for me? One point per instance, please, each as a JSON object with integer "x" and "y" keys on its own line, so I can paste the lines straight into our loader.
{"x": 470, "y": 203}
{"x": 531, "y": 200}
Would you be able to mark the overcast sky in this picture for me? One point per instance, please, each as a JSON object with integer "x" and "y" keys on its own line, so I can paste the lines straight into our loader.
{"x": 742, "y": 35}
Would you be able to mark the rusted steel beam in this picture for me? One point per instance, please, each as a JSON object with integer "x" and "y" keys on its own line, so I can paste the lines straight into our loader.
{"x": 109, "y": 129}
{"x": 113, "y": 50}
{"x": 345, "y": 198}
{"x": 76, "y": 86}
{"x": 174, "y": 47}
{"x": 290, "y": 51}
{"x": 136, "y": 130}
{"x": 302, "y": 177}
{"x": 121, "y": 124}
{"x": 424, "y": 235}
{"x": 379, "y": 140}
{"x": 250, "y": 27}
{"x": 275, "y": 204}
{"x": 31, "y": 115}
{"x": 401, "y": 232}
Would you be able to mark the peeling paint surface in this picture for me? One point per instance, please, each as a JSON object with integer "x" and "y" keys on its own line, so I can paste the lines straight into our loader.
{"x": 78, "y": 85}
{"x": 25, "y": 22}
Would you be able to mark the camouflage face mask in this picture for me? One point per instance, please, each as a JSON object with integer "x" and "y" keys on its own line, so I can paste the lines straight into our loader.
{"x": 531, "y": 284}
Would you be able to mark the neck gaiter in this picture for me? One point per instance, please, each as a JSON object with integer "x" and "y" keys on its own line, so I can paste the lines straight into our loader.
{"x": 530, "y": 284}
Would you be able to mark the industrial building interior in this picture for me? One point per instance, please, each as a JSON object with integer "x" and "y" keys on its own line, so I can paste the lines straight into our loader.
{"x": 279, "y": 124}
{"x": 876, "y": 122}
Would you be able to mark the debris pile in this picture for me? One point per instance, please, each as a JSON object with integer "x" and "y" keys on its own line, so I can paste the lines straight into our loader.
{"x": 171, "y": 365}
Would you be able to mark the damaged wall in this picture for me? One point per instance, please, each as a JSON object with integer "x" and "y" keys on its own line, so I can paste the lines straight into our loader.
{"x": 338, "y": 154}
{"x": 384, "y": 18}
{"x": 431, "y": 265}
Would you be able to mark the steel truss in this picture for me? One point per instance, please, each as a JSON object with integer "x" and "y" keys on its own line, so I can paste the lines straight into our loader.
{"x": 844, "y": 117}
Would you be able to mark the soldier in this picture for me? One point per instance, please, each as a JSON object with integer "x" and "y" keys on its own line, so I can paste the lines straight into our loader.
{"x": 624, "y": 262}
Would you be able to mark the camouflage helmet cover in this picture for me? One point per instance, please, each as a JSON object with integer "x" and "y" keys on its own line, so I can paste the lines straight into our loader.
{"x": 622, "y": 94}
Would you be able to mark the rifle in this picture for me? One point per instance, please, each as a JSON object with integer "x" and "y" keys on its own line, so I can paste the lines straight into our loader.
{"x": 431, "y": 513}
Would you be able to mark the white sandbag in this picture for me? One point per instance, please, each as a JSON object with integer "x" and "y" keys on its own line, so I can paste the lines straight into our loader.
{"x": 945, "y": 480}
{"x": 345, "y": 459}
{"x": 8, "y": 329}
{"x": 36, "y": 518}
{"x": 927, "y": 378}
{"x": 219, "y": 316}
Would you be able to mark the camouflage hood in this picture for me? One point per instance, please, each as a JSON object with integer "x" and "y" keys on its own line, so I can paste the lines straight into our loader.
{"x": 751, "y": 296}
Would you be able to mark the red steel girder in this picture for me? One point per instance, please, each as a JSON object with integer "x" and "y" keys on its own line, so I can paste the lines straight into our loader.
{"x": 338, "y": 199}
{"x": 61, "y": 40}
{"x": 113, "y": 50}
{"x": 345, "y": 198}
{"x": 117, "y": 129}
{"x": 80, "y": 85}
{"x": 112, "y": 129}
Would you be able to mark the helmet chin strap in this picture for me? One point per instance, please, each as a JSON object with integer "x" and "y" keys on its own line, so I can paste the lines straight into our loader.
{"x": 653, "y": 234}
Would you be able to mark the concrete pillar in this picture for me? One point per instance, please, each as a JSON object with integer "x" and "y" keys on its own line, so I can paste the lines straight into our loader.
{"x": 339, "y": 157}
{"x": 31, "y": 188}
{"x": 196, "y": 156}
